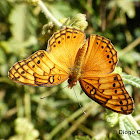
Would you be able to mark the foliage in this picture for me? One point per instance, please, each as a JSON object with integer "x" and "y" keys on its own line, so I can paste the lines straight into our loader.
{"x": 127, "y": 130}
{"x": 58, "y": 116}
{"x": 135, "y": 81}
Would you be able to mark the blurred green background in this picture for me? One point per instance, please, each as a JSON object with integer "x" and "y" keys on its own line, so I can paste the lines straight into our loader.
{"x": 23, "y": 115}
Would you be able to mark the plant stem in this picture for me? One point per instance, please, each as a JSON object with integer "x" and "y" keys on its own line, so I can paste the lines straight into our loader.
{"x": 76, "y": 124}
{"x": 129, "y": 47}
{"x": 133, "y": 122}
{"x": 69, "y": 119}
{"x": 48, "y": 14}
{"x": 27, "y": 103}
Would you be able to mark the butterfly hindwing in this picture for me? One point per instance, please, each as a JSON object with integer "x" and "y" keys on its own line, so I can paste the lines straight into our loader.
{"x": 108, "y": 91}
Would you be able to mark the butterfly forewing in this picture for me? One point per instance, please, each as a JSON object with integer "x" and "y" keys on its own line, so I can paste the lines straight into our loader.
{"x": 64, "y": 45}
{"x": 38, "y": 70}
{"x": 101, "y": 57}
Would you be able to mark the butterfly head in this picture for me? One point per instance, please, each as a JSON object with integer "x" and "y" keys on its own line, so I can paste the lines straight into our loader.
{"x": 72, "y": 82}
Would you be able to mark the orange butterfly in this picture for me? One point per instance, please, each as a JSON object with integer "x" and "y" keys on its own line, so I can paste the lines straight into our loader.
{"x": 70, "y": 56}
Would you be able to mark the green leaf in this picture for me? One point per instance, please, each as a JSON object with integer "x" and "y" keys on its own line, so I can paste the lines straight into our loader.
{"x": 82, "y": 138}
{"x": 135, "y": 81}
{"x": 129, "y": 129}
{"x": 22, "y": 28}
{"x": 111, "y": 118}
{"x": 18, "y": 26}
{"x": 25, "y": 129}
{"x": 130, "y": 57}
{"x": 12, "y": 44}
{"x": 2, "y": 56}
{"x": 118, "y": 70}
{"x": 61, "y": 9}
{"x": 128, "y": 7}
{"x": 4, "y": 8}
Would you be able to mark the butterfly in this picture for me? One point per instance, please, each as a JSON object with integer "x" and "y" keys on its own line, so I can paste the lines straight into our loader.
{"x": 70, "y": 56}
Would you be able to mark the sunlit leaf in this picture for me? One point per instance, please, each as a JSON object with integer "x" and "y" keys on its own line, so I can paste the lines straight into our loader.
{"x": 128, "y": 7}
{"x": 22, "y": 22}
{"x": 2, "y": 56}
{"x": 127, "y": 129}
{"x": 135, "y": 81}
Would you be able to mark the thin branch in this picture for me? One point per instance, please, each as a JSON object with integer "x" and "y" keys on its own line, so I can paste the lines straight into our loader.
{"x": 130, "y": 47}
{"x": 27, "y": 103}
{"x": 69, "y": 119}
{"x": 76, "y": 124}
{"x": 10, "y": 113}
{"x": 86, "y": 130}
{"x": 48, "y": 14}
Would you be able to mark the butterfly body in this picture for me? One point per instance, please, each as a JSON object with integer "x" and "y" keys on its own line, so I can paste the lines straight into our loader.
{"x": 70, "y": 56}
{"x": 75, "y": 72}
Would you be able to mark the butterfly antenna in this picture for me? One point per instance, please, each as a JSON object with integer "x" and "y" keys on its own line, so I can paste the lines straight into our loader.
{"x": 53, "y": 93}
{"x": 64, "y": 87}
{"x": 79, "y": 102}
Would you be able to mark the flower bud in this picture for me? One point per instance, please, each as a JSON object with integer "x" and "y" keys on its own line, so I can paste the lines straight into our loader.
{"x": 47, "y": 31}
{"x": 79, "y": 21}
{"x": 34, "y": 2}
